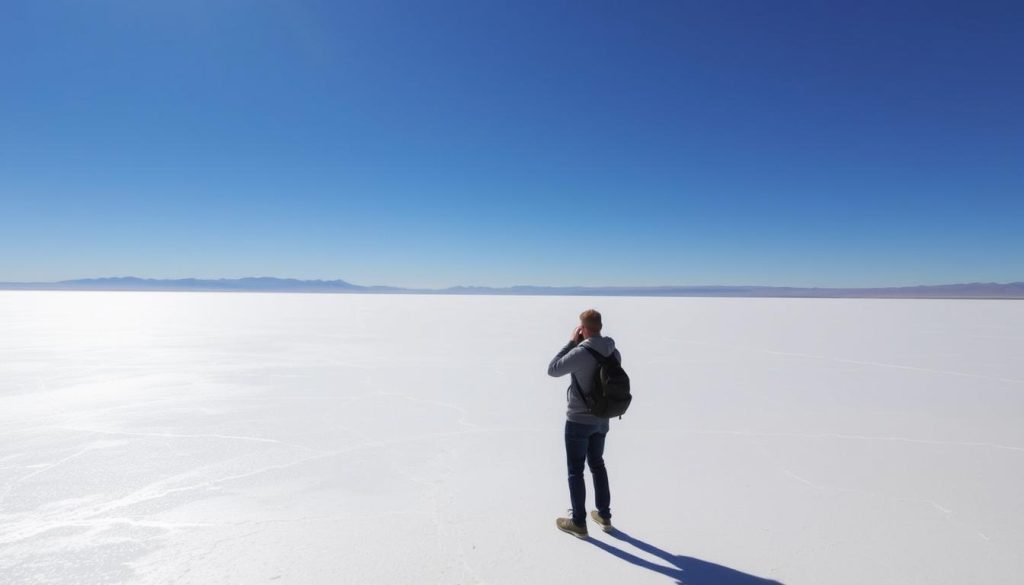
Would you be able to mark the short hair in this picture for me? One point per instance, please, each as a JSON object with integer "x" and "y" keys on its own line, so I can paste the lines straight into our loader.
{"x": 591, "y": 319}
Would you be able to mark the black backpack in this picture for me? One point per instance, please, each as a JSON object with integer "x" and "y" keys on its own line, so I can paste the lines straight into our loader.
{"x": 610, "y": 397}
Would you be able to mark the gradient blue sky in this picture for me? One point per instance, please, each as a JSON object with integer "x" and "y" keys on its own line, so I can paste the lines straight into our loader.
{"x": 496, "y": 143}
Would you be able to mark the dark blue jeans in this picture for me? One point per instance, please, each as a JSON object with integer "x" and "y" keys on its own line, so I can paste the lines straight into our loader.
{"x": 585, "y": 443}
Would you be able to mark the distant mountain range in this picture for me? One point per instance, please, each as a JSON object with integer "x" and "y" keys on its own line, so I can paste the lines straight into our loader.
{"x": 977, "y": 290}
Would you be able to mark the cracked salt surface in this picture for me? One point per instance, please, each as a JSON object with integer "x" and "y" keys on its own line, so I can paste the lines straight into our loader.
{"x": 246, "y": 438}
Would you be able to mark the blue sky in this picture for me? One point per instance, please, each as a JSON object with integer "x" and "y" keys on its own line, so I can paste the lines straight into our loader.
{"x": 497, "y": 143}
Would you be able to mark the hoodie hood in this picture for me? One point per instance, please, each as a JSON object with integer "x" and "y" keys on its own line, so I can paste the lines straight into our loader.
{"x": 602, "y": 345}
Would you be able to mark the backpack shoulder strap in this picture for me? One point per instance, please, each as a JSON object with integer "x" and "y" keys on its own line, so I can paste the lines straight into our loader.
{"x": 579, "y": 391}
{"x": 600, "y": 361}
{"x": 597, "y": 355}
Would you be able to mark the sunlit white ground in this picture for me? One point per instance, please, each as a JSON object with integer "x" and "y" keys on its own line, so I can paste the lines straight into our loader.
{"x": 323, "y": 439}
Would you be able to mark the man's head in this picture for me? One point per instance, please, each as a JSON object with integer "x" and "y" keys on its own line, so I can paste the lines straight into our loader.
{"x": 590, "y": 321}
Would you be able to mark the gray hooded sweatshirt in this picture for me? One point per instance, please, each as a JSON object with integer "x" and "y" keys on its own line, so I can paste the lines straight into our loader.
{"x": 573, "y": 359}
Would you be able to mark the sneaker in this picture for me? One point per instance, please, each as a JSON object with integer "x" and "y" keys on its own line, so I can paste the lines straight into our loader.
{"x": 567, "y": 525}
{"x": 604, "y": 523}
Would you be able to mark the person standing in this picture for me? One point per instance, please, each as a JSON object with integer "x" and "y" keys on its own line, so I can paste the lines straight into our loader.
{"x": 584, "y": 433}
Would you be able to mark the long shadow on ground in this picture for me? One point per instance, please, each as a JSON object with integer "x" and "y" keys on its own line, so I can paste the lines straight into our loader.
{"x": 685, "y": 570}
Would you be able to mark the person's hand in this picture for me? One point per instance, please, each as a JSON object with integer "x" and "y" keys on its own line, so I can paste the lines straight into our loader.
{"x": 577, "y": 334}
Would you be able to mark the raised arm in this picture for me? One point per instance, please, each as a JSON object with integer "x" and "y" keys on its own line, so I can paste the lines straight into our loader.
{"x": 567, "y": 360}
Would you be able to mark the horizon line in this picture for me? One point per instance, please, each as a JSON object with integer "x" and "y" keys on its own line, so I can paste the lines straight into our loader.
{"x": 269, "y": 284}
{"x": 610, "y": 286}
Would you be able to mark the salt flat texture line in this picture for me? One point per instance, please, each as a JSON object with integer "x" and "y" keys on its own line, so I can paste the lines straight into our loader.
{"x": 943, "y": 511}
{"x": 185, "y": 436}
{"x": 43, "y": 469}
{"x": 158, "y": 490}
